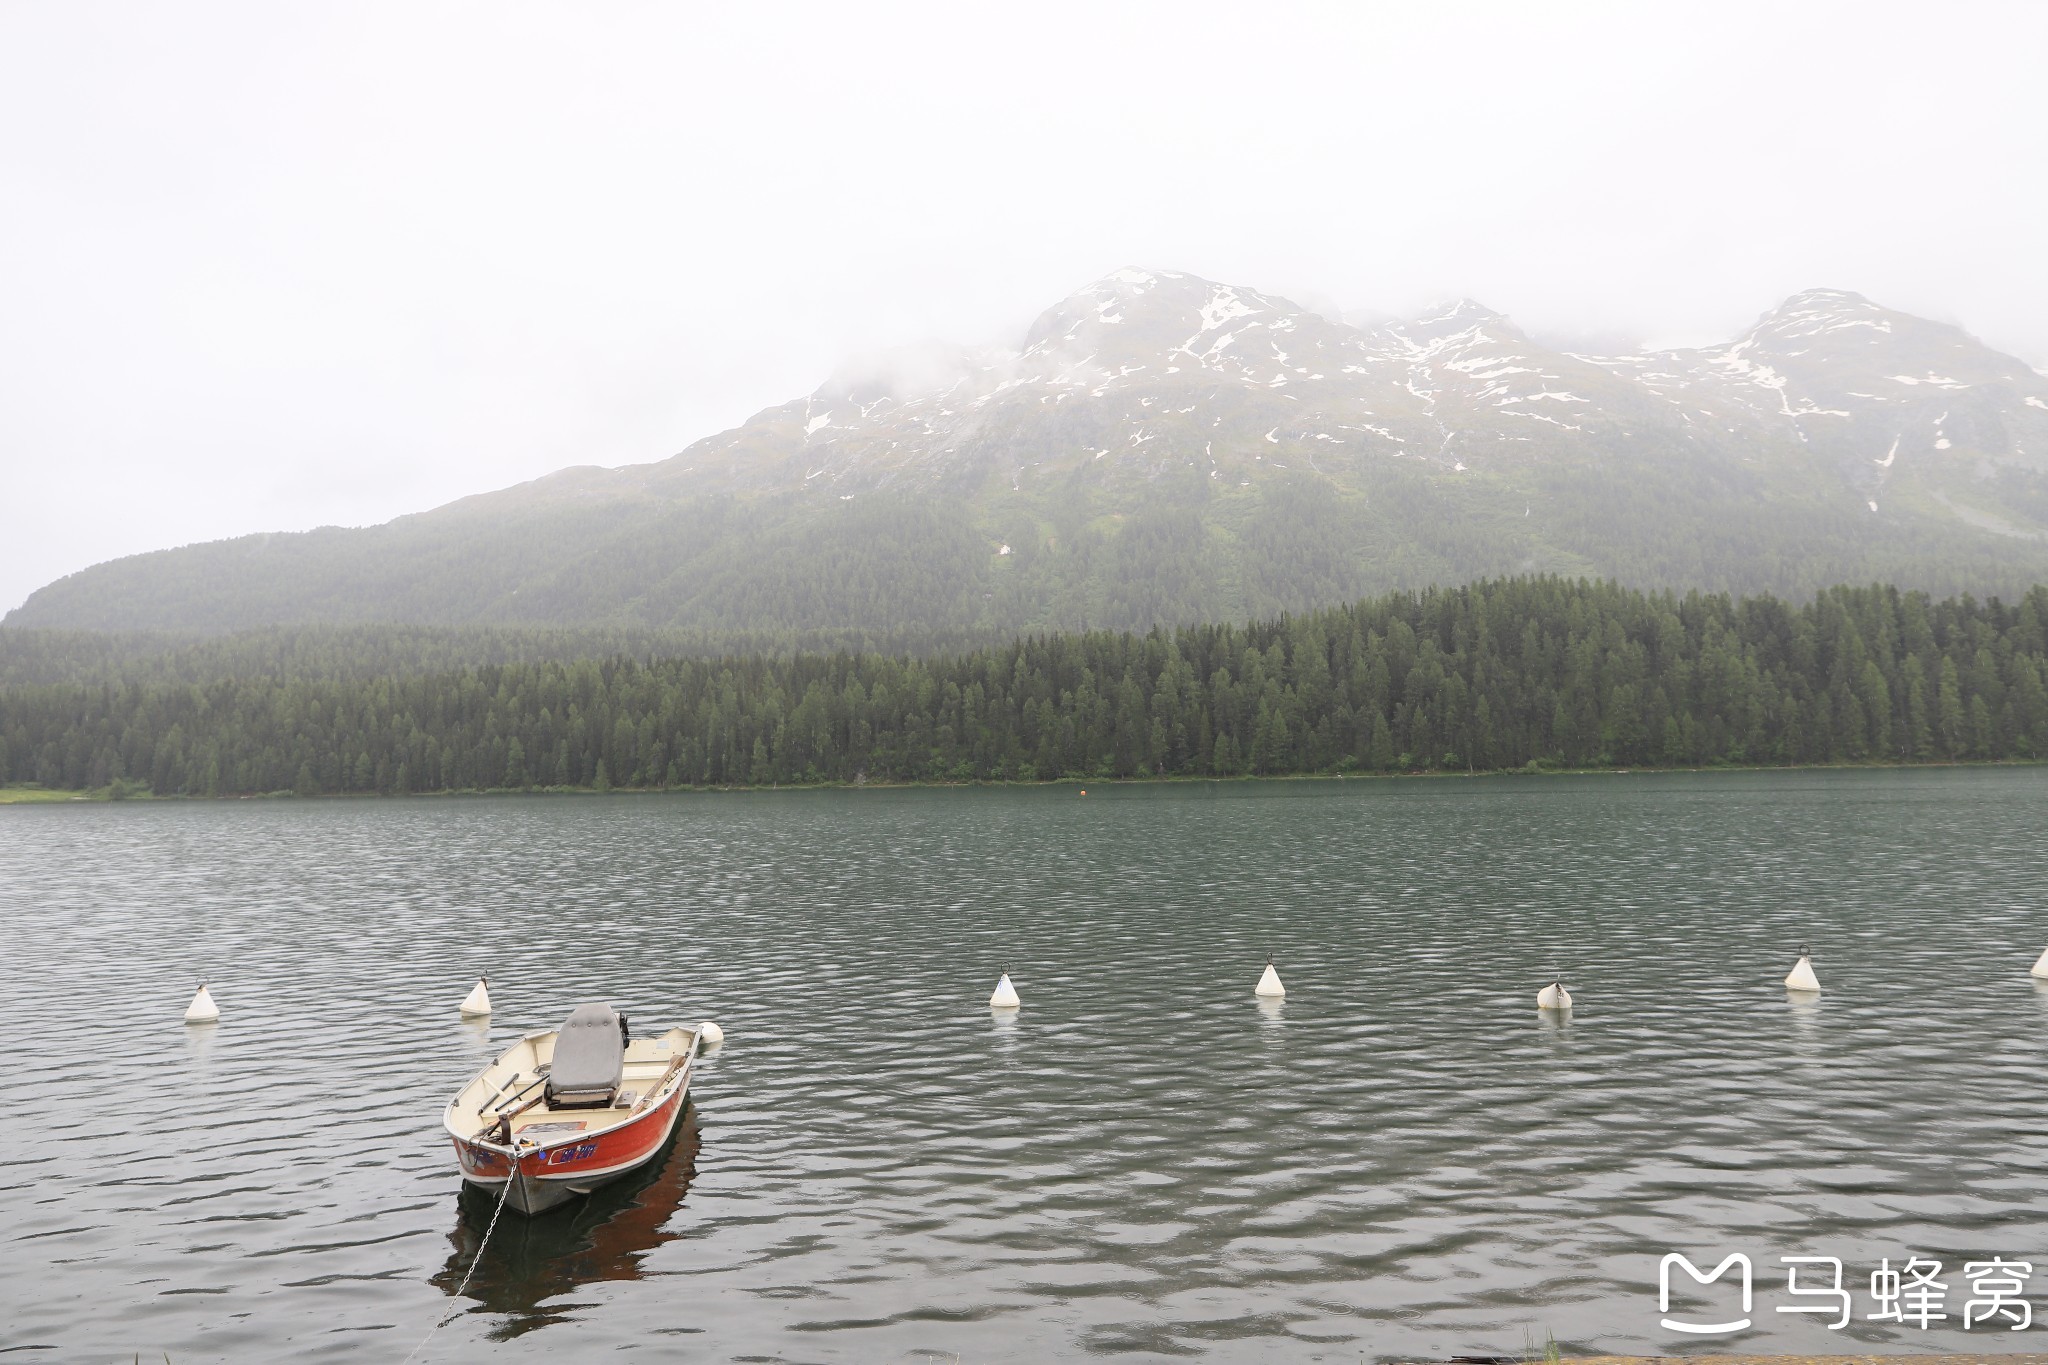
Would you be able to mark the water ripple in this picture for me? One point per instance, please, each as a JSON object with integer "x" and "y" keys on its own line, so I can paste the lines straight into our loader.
{"x": 1401, "y": 1157}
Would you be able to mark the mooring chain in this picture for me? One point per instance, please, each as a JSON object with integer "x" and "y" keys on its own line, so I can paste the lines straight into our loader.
{"x": 504, "y": 1198}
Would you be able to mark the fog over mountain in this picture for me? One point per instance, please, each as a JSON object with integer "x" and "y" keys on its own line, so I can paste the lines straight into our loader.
{"x": 1141, "y": 367}
{"x": 1162, "y": 448}
{"x": 270, "y": 268}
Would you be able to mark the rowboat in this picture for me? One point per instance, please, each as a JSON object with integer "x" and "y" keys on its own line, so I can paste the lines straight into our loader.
{"x": 566, "y": 1110}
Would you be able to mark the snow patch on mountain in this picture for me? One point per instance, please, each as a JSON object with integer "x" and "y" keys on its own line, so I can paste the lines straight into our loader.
{"x": 1131, "y": 370}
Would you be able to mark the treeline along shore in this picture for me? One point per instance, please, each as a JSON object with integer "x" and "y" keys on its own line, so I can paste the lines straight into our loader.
{"x": 1497, "y": 675}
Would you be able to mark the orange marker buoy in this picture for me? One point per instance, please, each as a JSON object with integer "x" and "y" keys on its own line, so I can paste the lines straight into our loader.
{"x": 1084, "y": 791}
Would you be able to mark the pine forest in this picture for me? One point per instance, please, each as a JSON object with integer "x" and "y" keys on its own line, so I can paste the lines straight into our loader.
{"x": 1504, "y": 674}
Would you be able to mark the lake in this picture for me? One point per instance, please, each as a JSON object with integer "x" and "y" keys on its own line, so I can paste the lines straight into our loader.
{"x": 1145, "y": 1162}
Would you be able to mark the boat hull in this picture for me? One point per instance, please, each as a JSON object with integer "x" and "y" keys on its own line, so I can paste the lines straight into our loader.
{"x": 552, "y": 1175}
{"x": 550, "y": 1157}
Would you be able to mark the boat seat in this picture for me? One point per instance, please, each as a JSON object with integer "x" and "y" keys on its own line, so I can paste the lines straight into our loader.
{"x": 589, "y": 1060}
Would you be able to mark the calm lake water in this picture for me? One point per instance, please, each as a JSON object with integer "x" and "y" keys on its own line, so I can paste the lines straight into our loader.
{"x": 1145, "y": 1163}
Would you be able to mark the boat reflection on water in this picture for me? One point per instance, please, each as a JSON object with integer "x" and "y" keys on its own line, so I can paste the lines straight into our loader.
{"x": 532, "y": 1264}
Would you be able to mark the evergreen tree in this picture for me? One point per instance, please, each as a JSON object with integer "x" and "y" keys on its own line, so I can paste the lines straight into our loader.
{"x": 1590, "y": 674}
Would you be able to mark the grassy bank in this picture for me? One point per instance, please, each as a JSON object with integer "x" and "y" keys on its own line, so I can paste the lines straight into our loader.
{"x": 26, "y": 796}
{"x": 134, "y": 792}
{"x": 29, "y": 794}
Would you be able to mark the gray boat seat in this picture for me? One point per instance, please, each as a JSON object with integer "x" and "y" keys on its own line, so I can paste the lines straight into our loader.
{"x": 590, "y": 1059}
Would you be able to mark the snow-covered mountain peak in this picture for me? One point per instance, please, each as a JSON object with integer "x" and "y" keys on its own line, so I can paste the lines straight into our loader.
{"x": 1843, "y": 299}
{"x": 1141, "y": 327}
{"x": 1816, "y": 313}
{"x": 1457, "y": 324}
{"x": 1875, "y": 388}
{"x": 1150, "y": 303}
{"x": 1145, "y": 371}
{"x": 1455, "y": 316}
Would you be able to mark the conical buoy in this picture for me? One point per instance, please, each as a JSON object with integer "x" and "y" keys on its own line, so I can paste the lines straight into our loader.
{"x": 1269, "y": 983}
{"x": 2041, "y": 965}
{"x": 1801, "y": 977}
{"x": 1554, "y": 997}
{"x": 1005, "y": 997}
{"x": 709, "y": 1034}
{"x": 478, "y": 1002}
{"x": 202, "y": 1010}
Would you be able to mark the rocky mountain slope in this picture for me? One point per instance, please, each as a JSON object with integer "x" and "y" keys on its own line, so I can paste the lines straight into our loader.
{"x": 1144, "y": 370}
{"x": 1161, "y": 448}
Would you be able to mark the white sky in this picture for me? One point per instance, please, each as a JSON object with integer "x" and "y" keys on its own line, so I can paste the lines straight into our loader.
{"x": 270, "y": 266}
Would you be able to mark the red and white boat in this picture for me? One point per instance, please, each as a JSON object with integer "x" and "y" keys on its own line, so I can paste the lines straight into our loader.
{"x": 565, "y": 1110}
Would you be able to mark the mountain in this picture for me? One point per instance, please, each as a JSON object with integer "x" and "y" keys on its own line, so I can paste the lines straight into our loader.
{"x": 1163, "y": 448}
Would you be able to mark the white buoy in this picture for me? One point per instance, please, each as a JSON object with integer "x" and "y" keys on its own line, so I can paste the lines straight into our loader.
{"x": 202, "y": 1010}
{"x": 709, "y": 1034}
{"x": 1801, "y": 977}
{"x": 2041, "y": 965}
{"x": 478, "y": 1002}
{"x": 1269, "y": 984}
{"x": 1005, "y": 997}
{"x": 1554, "y": 997}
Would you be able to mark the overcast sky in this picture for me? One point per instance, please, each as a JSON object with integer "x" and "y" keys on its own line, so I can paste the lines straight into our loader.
{"x": 269, "y": 266}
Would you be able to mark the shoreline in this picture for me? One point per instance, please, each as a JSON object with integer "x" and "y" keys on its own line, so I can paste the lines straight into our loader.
{"x": 34, "y": 795}
{"x": 1953, "y": 1358}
